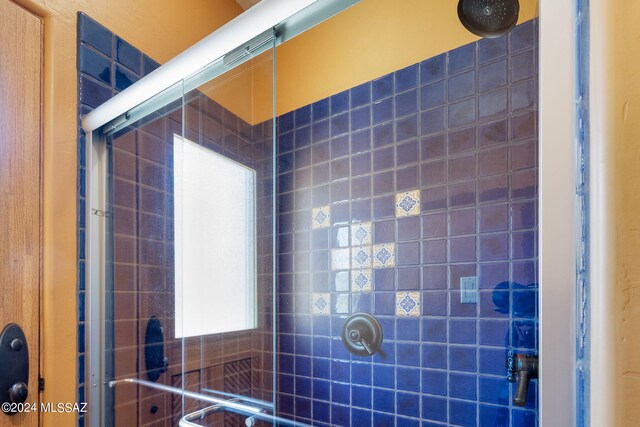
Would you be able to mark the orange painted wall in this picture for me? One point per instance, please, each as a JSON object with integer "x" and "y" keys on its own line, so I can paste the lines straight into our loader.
{"x": 625, "y": 125}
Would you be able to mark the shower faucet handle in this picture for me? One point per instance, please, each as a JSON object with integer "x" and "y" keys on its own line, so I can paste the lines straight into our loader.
{"x": 356, "y": 336}
{"x": 527, "y": 370}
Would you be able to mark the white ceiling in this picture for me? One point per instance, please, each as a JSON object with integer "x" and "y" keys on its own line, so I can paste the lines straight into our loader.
{"x": 246, "y": 4}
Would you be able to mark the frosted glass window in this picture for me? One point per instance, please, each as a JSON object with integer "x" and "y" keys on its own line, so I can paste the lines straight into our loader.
{"x": 215, "y": 254}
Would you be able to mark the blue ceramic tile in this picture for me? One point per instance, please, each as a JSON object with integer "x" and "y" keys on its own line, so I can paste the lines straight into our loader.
{"x": 523, "y": 418}
{"x": 462, "y": 413}
{"x": 494, "y": 416}
{"x": 408, "y": 379}
{"x": 361, "y": 210}
{"x": 462, "y": 113}
{"x": 320, "y": 109}
{"x": 321, "y": 389}
{"x": 523, "y": 334}
{"x": 408, "y": 404}
{"x": 434, "y": 303}
{"x": 361, "y": 396}
{"x": 406, "y": 127}
{"x": 360, "y": 141}
{"x": 434, "y": 330}
{"x": 81, "y": 338}
{"x": 360, "y": 417}
{"x": 321, "y": 411}
{"x": 434, "y": 408}
{"x": 383, "y": 135}
{"x": 321, "y": 368}
{"x": 408, "y": 279}
{"x": 382, "y": 111}
{"x": 340, "y": 370}
{"x": 523, "y": 66}
{"x": 302, "y": 138}
{"x": 432, "y": 95}
{"x": 285, "y": 142}
{"x": 524, "y": 304}
{"x": 302, "y": 407}
{"x": 148, "y": 65}
{"x": 93, "y": 93}
{"x": 492, "y": 49}
{"x": 340, "y": 392}
{"x": 383, "y": 400}
{"x": 320, "y": 325}
{"x": 462, "y": 358}
{"x": 321, "y": 151}
{"x": 433, "y": 69}
{"x": 128, "y": 55}
{"x": 434, "y": 356}
{"x": 462, "y": 331}
{"x": 361, "y": 95}
{"x": 462, "y": 386}
{"x": 383, "y": 420}
{"x": 407, "y": 354}
{"x": 434, "y": 382}
{"x": 407, "y": 178}
{"x": 361, "y": 373}
{"x": 384, "y": 376}
{"x": 462, "y": 86}
{"x": 339, "y": 103}
{"x": 338, "y": 350}
{"x": 94, "y": 34}
{"x": 494, "y": 332}
{"x": 339, "y": 146}
{"x": 406, "y": 78}
{"x": 302, "y": 386}
{"x": 523, "y": 36}
{"x": 286, "y": 122}
{"x": 406, "y": 103}
{"x": 361, "y": 302}
{"x": 384, "y": 303}
{"x": 433, "y": 121}
{"x": 492, "y": 76}
{"x": 302, "y": 116}
{"x": 303, "y": 345}
{"x": 339, "y": 124}
{"x": 124, "y": 78}
{"x": 388, "y": 327}
{"x": 461, "y": 59}
{"x": 492, "y": 361}
{"x": 382, "y": 87}
{"x": 94, "y": 64}
{"x": 321, "y": 347}
{"x": 493, "y": 104}
{"x": 360, "y": 118}
{"x": 494, "y": 390}
{"x": 408, "y": 253}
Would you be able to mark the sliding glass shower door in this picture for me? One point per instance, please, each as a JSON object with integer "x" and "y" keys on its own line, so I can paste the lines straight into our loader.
{"x": 189, "y": 260}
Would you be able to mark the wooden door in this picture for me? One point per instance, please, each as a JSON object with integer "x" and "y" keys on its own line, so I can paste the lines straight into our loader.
{"x": 20, "y": 185}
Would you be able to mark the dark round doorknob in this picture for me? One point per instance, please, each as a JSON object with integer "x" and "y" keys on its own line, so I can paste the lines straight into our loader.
{"x": 17, "y": 344}
{"x": 18, "y": 393}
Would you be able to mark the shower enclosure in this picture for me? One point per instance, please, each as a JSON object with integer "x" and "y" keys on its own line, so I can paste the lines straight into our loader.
{"x": 230, "y": 247}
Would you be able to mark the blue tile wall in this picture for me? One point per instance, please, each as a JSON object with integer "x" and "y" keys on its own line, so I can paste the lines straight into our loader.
{"x": 106, "y": 65}
{"x": 437, "y": 163}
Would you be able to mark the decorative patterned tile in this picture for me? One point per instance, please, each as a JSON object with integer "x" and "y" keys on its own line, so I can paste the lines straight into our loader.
{"x": 384, "y": 255}
{"x": 361, "y": 257}
{"x": 321, "y": 303}
{"x": 361, "y": 280}
{"x": 340, "y": 259}
{"x": 361, "y": 234}
{"x": 321, "y": 217}
{"x": 408, "y": 203}
{"x": 408, "y": 304}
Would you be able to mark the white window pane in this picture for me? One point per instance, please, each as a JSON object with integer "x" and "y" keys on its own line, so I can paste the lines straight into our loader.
{"x": 215, "y": 276}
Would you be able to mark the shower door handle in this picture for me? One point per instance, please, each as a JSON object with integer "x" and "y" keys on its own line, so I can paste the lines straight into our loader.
{"x": 14, "y": 369}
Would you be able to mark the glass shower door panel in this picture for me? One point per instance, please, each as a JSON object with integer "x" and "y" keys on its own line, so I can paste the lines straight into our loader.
{"x": 224, "y": 240}
{"x": 189, "y": 298}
